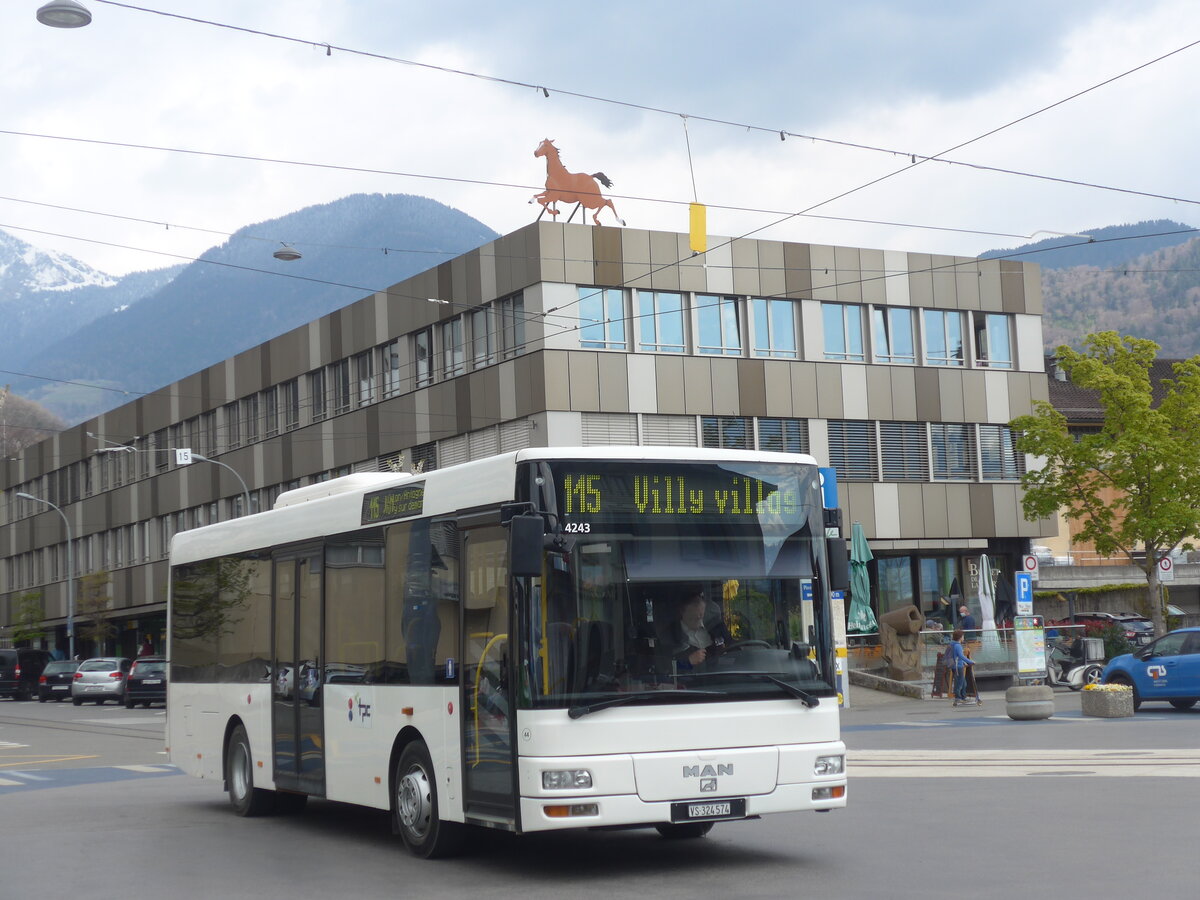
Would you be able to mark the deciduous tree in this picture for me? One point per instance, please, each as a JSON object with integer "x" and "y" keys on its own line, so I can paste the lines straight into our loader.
{"x": 1135, "y": 481}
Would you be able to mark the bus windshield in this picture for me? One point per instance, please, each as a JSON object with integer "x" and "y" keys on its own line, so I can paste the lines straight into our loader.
{"x": 692, "y": 603}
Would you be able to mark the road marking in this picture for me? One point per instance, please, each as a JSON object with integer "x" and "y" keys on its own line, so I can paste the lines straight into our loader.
{"x": 1019, "y": 763}
{"x": 9, "y": 745}
{"x": 150, "y": 769}
{"x": 42, "y": 758}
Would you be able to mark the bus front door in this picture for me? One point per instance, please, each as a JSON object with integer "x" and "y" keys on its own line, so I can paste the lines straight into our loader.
{"x": 489, "y": 783}
{"x": 296, "y": 720}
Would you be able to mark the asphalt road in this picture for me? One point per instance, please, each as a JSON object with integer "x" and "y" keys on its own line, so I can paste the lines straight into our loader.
{"x": 943, "y": 803}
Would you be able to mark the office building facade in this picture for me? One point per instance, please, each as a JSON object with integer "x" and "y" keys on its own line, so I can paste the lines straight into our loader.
{"x": 901, "y": 370}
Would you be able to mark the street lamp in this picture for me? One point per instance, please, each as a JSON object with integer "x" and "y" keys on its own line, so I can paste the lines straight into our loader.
{"x": 70, "y": 571}
{"x": 64, "y": 14}
{"x": 183, "y": 457}
{"x": 216, "y": 462}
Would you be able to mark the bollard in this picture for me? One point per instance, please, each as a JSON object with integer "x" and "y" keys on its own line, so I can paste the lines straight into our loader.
{"x": 1028, "y": 702}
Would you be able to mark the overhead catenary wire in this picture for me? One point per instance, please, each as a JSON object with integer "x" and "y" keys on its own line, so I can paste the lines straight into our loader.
{"x": 546, "y": 88}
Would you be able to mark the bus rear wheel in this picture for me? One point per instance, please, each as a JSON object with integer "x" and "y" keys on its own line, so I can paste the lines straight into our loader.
{"x": 415, "y": 806}
{"x": 247, "y": 800}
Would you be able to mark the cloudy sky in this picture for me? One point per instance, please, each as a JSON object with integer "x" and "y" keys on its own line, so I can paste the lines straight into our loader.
{"x": 898, "y": 78}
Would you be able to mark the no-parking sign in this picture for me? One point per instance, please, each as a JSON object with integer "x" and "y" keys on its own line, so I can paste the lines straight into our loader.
{"x": 1166, "y": 569}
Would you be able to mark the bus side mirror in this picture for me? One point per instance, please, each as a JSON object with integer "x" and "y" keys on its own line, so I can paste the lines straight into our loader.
{"x": 525, "y": 534}
{"x": 839, "y": 565}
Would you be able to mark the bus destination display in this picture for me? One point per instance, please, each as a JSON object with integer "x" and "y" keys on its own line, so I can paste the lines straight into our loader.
{"x": 393, "y": 503}
{"x": 698, "y": 493}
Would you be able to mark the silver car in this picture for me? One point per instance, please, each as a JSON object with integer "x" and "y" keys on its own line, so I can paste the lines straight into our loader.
{"x": 100, "y": 679}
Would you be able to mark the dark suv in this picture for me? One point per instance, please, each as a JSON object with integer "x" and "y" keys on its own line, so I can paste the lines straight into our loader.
{"x": 19, "y": 671}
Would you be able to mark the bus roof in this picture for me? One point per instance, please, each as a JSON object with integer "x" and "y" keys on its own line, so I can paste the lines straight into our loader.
{"x": 335, "y": 506}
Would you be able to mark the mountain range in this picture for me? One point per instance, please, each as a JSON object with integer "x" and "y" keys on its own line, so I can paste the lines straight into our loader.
{"x": 140, "y": 332}
{"x": 95, "y": 339}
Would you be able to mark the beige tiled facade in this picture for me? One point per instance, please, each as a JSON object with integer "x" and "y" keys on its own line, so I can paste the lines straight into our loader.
{"x": 546, "y": 387}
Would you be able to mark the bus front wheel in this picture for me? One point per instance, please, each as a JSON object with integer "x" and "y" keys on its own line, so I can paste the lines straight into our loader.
{"x": 415, "y": 806}
{"x": 247, "y": 800}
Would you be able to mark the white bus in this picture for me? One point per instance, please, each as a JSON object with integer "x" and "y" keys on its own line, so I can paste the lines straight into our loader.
{"x": 499, "y": 644}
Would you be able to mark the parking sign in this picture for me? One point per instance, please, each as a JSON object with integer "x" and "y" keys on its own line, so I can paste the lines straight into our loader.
{"x": 1024, "y": 594}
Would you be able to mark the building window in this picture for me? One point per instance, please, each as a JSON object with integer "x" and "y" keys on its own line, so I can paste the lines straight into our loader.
{"x": 339, "y": 385}
{"x": 270, "y": 408}
{"x": 993, "y": 340}
{"x": 852, "y": 450}
{"x": 364, "y": 374}
{"x": 424, "y": 457}
{"x": 511, "y": 313}
{"x": 483, "y": 338}
{"x": 161, "y": 457}
{"x": 998, "y": 456}
{"x": 894, "y": 335}
{"x": 843, "y": 332}
{"x": 727, "y": 432}
{"x": 953, "y": 452}
{"x": 774, "y": 328}
{"x": 602, "y": 318}
{"x": 943, "y": 338}
{"x": 718, "y": 331}
{"x": 233, "y": 431}
{"x": 289, "y": 404}
{"x": 423, "y": 356}
{"x": 904, "y": 449}
{"x": 250, "y": 418}
{"x": 783, "y": 435}
{"x": 453, "y": 350}
{"x": 316, "y": 394}
{"x": 389, "y": 364}
{"x": 660, "y": 322}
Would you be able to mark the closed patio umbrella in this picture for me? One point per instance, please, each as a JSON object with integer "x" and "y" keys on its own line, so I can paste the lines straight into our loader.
{"x": 861, "y": 619}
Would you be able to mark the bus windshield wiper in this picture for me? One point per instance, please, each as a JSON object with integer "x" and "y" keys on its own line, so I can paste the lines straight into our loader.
{"x": 809, "y": 700}
{"x": 582, "y": 709}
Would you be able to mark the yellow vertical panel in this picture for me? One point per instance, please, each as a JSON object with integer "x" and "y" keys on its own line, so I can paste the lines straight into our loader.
{"x": 698, "y": 228}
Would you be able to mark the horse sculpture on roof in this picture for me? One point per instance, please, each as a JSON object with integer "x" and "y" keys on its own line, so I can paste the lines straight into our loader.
{"x": 570, "y": 187}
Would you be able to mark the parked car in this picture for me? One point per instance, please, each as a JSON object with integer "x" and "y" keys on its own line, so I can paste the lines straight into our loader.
{"x": 1167, "y": 669}
{"x": 19, "y": 671}
{"x": 55, "y": 681}
{"x": 147, "y": 682}
{"x": 99, "y": 679}
{"x": 1138, "y": 629}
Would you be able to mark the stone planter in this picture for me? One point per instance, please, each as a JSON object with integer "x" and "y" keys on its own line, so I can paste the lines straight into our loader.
{"x": 1106, "y": 704}
{"x": 1029, "y": 702}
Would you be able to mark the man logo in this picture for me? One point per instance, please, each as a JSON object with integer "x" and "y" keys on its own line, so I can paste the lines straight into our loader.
{"x": 707, "y": 771}
{"x": 708, "y": 784}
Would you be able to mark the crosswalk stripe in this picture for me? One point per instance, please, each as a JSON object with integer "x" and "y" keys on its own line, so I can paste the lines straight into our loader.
{"x": 1017, "y": 763}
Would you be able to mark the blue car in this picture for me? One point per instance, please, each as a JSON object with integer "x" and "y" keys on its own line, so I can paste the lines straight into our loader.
{"x": 1167, "y": 669}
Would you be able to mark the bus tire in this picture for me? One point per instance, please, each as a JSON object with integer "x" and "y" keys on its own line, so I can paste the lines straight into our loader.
{"x": 684, "y": 830}
{"x": 246, "y": 799}
{"x": 415, "y": 806}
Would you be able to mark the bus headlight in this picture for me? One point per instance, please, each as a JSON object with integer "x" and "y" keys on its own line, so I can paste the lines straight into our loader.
{"x": 564, "y": 779}
{"x": 829, "y": 765}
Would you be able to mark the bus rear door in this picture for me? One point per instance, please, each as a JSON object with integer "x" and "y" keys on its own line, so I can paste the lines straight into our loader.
{"x": 299, "y": 738}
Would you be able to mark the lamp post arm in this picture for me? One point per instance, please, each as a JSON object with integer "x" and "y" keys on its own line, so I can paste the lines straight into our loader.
{"x": 217, "y": 462}
{"x": 70, "y": 570}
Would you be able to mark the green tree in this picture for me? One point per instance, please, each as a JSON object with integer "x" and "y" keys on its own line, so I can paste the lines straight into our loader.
{"x": 27, "y": 617}
{"x": 1135, "y": 481}
{"x": 91, "y": 608}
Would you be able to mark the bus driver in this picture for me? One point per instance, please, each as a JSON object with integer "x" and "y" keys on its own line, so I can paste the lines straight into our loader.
{"x": 693, "y": 641}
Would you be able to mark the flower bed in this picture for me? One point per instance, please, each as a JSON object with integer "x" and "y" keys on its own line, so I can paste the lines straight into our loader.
{"x": 1106, "y": 701}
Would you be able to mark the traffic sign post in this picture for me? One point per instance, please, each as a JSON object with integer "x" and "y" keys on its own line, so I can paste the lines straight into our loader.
{"x": 1029, "y": 563}
{"x": 1024, "y": 585}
